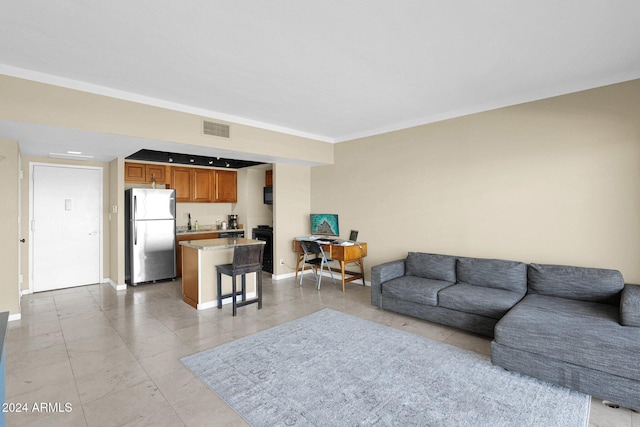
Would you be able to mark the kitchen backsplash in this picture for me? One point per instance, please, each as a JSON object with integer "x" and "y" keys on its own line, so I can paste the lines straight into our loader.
{"x": 204, "y": 213}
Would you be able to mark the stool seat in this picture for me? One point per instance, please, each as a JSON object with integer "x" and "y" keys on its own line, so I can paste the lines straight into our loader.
{"x": 246, "y": 259}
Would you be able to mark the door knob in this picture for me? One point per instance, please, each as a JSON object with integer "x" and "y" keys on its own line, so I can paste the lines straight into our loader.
{"x": 22, "y": 240}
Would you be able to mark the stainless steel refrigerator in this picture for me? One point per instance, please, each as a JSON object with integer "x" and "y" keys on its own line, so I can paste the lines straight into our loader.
{"x": 150, "y": 235}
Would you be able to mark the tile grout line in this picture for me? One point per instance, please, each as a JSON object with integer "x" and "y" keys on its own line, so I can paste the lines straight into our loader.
{"x": 142, "y": 366}
{"x": 84, "y": 415}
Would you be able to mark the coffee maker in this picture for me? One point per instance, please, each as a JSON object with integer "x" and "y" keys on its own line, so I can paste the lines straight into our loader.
{"x": 233, "y": 222}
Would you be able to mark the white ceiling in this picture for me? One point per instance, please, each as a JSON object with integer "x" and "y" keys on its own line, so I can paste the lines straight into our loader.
{"x": 331, "y": 70}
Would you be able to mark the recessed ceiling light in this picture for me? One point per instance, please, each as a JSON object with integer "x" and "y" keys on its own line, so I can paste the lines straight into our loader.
{"x": 74, "y": 152}
{"x": 70, "y": 156}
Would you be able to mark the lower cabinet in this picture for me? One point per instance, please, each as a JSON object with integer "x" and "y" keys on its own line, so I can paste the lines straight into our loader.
{"x": 189, "y": 236}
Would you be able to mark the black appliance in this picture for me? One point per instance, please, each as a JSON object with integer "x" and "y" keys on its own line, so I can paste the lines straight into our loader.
{"x": 233, "y": 222}
{"x": 265, "y": 233}
{"x": 268, "y": 195}
{"x": 231, "y": 234}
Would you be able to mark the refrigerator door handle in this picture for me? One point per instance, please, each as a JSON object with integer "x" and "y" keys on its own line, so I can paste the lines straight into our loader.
{"x": 133, "y": 220}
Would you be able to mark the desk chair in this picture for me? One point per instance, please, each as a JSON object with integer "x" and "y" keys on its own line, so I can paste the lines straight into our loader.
{"x": 315, "y": 257}
{"x": 246, "y": 259}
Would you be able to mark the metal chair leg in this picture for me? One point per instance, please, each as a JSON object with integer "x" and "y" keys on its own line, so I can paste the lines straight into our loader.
{"x": 331, "y": 273}
{"x": 302, "y": 272}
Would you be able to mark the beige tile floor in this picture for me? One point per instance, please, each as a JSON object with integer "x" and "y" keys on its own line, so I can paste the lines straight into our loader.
{"x": 114, "y": 356}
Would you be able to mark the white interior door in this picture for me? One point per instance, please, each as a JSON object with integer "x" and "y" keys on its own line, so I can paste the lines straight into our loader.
{"x": 66, "y": 225}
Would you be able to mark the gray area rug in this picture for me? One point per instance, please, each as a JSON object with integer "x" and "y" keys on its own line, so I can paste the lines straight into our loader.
{"x": 333, "y": 369}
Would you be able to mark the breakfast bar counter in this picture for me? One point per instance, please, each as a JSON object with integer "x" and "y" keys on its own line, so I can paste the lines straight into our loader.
{"x": 199, "y": 261}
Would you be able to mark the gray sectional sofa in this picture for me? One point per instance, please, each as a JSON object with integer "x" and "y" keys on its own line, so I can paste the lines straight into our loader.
{"x": 572, "y": 326}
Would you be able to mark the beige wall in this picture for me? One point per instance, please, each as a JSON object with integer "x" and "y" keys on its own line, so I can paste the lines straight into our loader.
{"x": 554, "y": 181}
{"x": 291, "y": 208}
{"x": 29, "y": 101}
{"x": 250, "y": 208}
{"x": 116, "y": 273}
{"x": 9, "y": 184}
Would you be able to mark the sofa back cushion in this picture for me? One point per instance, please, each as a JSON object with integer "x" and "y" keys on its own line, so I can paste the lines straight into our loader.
{"x": 493, "y": 273}
{"x": 578, "y": 283}
{"x": 431, "y": 266}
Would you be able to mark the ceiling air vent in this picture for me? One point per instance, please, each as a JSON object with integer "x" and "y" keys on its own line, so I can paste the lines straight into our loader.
{"x": 215, "y": 129}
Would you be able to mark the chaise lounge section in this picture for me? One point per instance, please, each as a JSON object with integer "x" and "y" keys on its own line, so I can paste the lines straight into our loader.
{"x": 578, "y": 328}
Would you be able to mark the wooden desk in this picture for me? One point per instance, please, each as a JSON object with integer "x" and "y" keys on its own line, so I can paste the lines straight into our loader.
{"x": 342, "y": 254}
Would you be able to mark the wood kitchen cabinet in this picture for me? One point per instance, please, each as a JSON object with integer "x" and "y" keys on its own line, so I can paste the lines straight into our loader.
{"x": 268, "y": 178}
{"x": 203, "y": 183}
{"x": 181, "y": 182}
{"x": 134, "y": 172}
{"x": 226, "y": 186}
{"x": 157, "y": 173}
{"x": 189, "y": 236}
{"x": 144, "y": 173}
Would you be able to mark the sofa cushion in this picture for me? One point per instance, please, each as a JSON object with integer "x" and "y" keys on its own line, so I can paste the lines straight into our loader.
{"x": 578, "y": 283}
{"x": 431, "y": 266}
{"x": 489, "y": 302}
{"x": 582, "y": 333}
{"x": 493, "y": 273}
{"x": 630, "y": 306}
{"x": 414, "y": 289}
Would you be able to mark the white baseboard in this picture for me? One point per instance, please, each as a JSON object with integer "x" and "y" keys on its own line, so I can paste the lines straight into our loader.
{"x": 16, "y": 316}
{"x": 324, "y": 274}
{"x": 24, "y": 292}
{"x": 212, "y": 304}
{"x": 116, "y": 286}
{"x": 282, "y": 276}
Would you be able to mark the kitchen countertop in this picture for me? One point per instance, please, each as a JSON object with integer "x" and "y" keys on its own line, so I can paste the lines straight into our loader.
{"x": 206, "y": 229}
{"x": 224, "y": 243}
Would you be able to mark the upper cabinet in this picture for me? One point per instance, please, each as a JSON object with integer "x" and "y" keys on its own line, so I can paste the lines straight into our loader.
{"x": 182, "y": 182}
{"x": 203, "y": 183}
{"x": 226, "y": 186}
{"x": 268, "y": 178}
{"x": 145, "y": 173}
{"x": 191, "y": 184}
{"x": 157, "y": 173}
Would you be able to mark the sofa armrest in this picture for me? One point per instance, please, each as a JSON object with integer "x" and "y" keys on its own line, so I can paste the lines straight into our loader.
{"x": 630, "y": 306}
{"x": 383, "y": 273}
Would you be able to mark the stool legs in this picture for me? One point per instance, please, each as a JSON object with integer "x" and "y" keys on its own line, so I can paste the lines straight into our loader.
{"x": 219, "y": 290}
{"x": 233, "y": 293}
{"x": 242, "y": 292}
{"x": 259, "y": 277}
{"x": 244, "y": 287}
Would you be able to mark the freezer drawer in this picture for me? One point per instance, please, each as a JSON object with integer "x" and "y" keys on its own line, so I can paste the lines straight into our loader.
{"x": 153, "y": 246}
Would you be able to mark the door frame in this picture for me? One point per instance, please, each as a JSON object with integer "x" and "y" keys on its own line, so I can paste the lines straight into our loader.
{"x": 100, "y": 170}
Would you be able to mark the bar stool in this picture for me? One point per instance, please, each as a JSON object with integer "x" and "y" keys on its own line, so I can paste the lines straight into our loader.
{"x": 246, "y": 259}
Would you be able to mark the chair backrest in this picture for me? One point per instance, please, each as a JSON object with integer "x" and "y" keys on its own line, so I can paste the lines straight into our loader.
{"x": 248, "y": 255}
{"x": 311, "y": 247}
